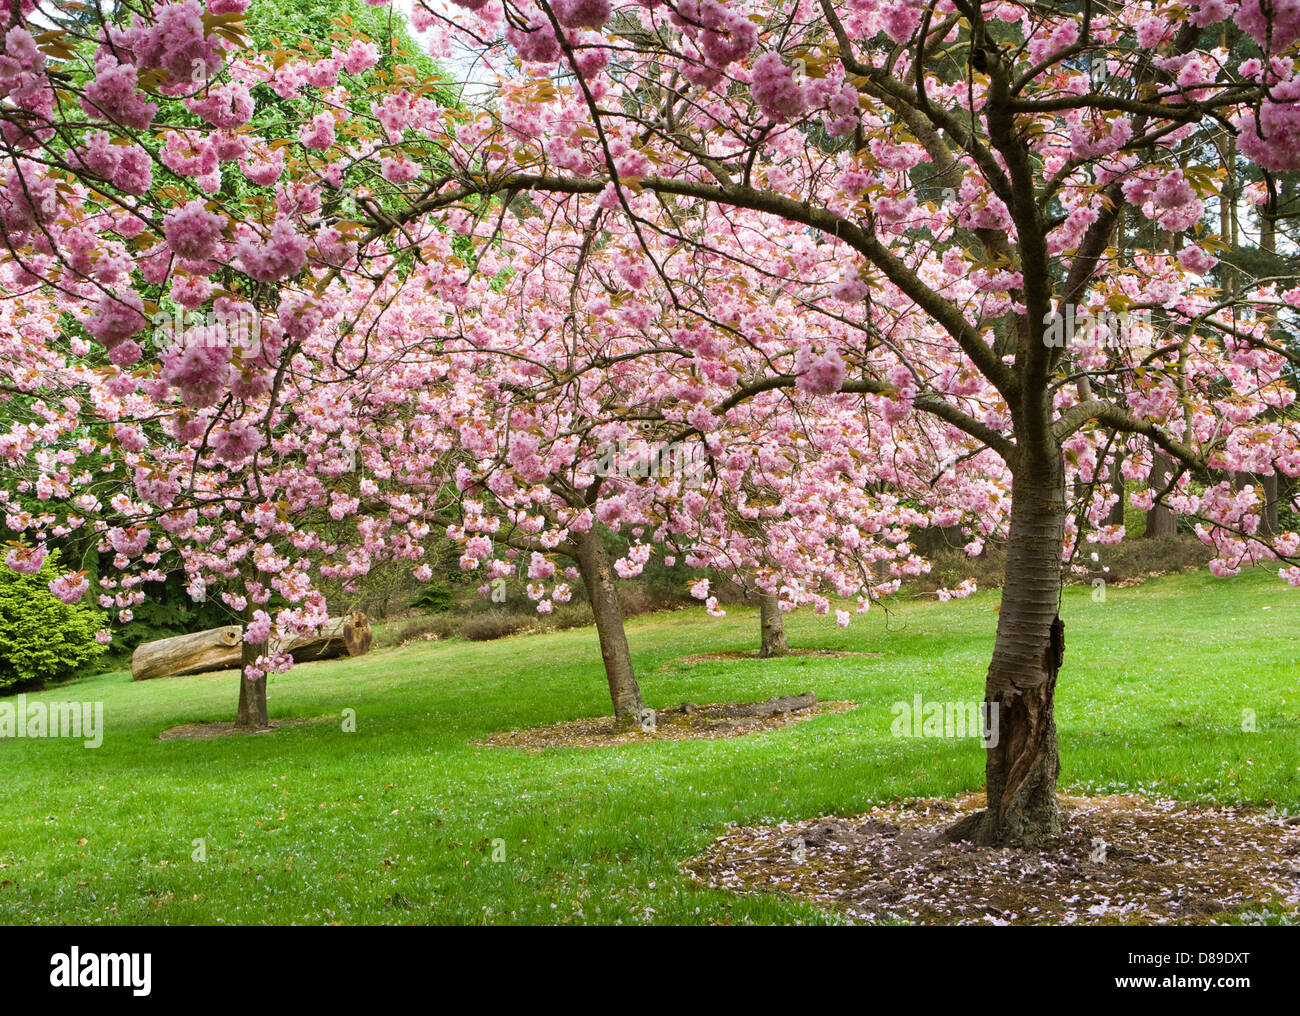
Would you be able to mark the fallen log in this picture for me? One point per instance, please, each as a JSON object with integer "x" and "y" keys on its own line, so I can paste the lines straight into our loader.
{"x": 197, "y": 653}
{"x": 220, "y": 648}
{"x": 350, "y": 635}
{"x": 772, "y": 707}
{"x": 737, "y": 710}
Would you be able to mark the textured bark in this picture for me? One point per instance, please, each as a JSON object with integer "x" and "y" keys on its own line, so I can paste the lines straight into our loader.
{"x": 1160, "y": 519}
{"x": 1115, "y": 517}
{"x": 357, "y": 635}
{"x": 598, "y": 578}
{"x": 1268, "y": 522}
{"x": 196, "y": 653}
{"x": 1267, "y": 489}
{"x": 252, "y": 694}
{"x": 772, "y": 627}
{"x": 1022, "y": 767}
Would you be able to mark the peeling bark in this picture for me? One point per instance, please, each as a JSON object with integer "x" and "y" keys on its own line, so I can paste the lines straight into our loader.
{"x": 1021, "y": 769}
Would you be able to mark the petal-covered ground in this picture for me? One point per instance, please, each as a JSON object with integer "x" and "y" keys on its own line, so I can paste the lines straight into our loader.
{"x": 1118, "y": 860}
{"x": 680, "y": 723}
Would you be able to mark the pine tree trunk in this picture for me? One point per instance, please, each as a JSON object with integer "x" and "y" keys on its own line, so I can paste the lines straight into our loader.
{"x": 598, "y": 578}
{"x": 772, "y": 627}
{"x": 1022, "y": 764}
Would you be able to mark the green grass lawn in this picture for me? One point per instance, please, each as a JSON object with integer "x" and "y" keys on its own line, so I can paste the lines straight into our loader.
{"x": 396, "y": 822}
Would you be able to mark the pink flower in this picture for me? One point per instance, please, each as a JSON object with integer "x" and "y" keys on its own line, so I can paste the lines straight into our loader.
{"x": 399, "y": 170}
{"x": 225, "y": 106}
{"x": 283, "y": 254}
{"x": 1196, "y": 260}
{"x": 536, "y": 43}
{"x": 117, "y": 318}
{"x": 199, "y": 370}
{"x": 192, "y": 231}
{"x": 318, "y": 133}
{"x": 775, "y": 89}
{"x": 581, "y": 13}
{"x": 26, "y": 560}
{"x": 360, "y": 57}
{"x": 1278, "y": 28}
{"x": 819, "y": 375}
{"x": 113, "y": 94}
{"x": 259, "y": 629}
{"x": 70, "y": 588}
{"x": 236, "y": 441}
{"x": 176, "y": 43}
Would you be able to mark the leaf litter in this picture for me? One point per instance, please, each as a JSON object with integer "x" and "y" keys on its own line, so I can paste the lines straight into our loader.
{"x": 1119, "y": 859}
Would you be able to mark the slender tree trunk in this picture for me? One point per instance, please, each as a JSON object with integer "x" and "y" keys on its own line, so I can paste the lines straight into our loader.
{"x": 1268, "y": 520}
{"x": 772, "y": 626}
{"x": 1115, "y": 517}
{"x": 598, "y": 578}
{"x": 1267, "y": 489}
{"x": 1022, "y": 764}
{"x": 252, "y": 694}
{"x": 1160, "y": 519}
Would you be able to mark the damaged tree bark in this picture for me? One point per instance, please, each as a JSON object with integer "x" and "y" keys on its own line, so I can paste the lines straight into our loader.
{"x": 1021, "y": 768}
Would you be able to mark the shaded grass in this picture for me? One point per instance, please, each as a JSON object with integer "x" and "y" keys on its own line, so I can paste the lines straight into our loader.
{"x": 398, "y": 821}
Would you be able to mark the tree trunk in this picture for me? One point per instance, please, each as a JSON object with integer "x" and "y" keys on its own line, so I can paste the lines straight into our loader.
{"x": 1022, "y": 762}
{"x": 1266, "y": 489}
{"x": 252, "y": 694}
{"x": 772, "y": 627}
{"x": 1160, "y": 519}
{"x": 598, "y": 578}
{"x": 1115, "y": 517}
{"x": 1268, "y": 520}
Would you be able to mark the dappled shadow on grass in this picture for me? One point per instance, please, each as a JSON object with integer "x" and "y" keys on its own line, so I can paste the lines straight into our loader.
{"x": 1118, "y": 860}
{"x": 207, "y": 731}
{"x": 680, "y": 723}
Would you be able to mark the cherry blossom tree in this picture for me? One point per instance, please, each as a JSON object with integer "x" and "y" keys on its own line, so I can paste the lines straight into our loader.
{"x": 578, "y": 410}
{"x": 965, "y": 166}
{"x": 911, "y": 205}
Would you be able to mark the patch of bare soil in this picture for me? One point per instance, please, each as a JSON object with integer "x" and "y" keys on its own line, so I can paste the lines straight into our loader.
{"x": 207, "y": 731}
{"x": 753, "y": 655}
{"x": 1118, "y": 860}
{"x": 679, "y": 723}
